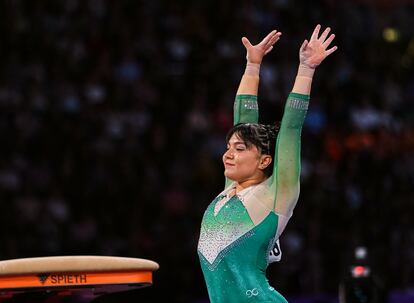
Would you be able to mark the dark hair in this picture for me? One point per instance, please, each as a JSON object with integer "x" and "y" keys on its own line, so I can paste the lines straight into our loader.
{"x": 260, "y": 135}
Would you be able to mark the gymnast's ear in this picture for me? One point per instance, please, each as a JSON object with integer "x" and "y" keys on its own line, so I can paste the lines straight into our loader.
{"x": 265, "y": 161}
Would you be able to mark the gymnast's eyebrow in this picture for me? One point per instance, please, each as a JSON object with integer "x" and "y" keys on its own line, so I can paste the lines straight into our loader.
{"x": 237, "y": 143}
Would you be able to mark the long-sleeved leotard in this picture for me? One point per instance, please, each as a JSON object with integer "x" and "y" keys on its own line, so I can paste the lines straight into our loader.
{"x": 237, "y": 233}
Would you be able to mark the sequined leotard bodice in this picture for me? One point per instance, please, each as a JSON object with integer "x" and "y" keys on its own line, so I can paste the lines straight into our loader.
{"x": 235, "y": 265}
{"x": 234, "y": 249}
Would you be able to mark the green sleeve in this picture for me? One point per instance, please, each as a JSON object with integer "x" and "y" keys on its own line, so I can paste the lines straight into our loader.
{"x": 245, "y": 110}
{"x": 285, "y": 182}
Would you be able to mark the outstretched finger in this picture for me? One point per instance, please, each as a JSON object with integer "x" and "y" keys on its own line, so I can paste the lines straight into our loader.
{"x": 246, "y": 43}
{"x": 328, "y": 41}
{"x": 268, "y": 37}
{"x": 268, "y": 50}
{"x": 277, "y": 36}
{"x": 274, "y": 39}
{"x": 331, "y": 50}
{"x": 304, "y": 45}
{"x": 325, "y": 34}
{"x": 315, "y": 32}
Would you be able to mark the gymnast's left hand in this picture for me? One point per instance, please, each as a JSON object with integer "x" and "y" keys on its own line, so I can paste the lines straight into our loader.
{"x": 314, "y": 51}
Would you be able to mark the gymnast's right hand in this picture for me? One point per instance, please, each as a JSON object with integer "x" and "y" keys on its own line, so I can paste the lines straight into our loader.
{"x": 255, "y": 53}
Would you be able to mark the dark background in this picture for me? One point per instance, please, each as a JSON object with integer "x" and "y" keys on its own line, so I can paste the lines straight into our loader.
{"x": 113, "y": 116}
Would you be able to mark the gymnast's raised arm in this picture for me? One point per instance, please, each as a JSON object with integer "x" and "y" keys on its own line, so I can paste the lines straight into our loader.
{"x": 245, "y": 104}
{"x": 286, "y": 171}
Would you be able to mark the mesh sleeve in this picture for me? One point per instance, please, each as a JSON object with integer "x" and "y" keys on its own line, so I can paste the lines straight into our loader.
{"x": 246, "y": 109}
{"x": 285, "y": 183}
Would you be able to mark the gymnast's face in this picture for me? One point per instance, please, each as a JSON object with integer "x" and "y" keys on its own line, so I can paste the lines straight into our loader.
{"x": 242, "y": 162}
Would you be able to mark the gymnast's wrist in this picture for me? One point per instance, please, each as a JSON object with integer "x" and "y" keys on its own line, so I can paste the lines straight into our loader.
{"x": 305, "y": 71}
{"x": 252, "y": 69}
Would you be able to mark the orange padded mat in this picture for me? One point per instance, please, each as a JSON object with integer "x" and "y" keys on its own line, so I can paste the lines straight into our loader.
{"x": 83, "y": 277}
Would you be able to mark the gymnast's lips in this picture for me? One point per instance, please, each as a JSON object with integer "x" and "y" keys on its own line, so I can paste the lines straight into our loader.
{"x": 226, "y": 164}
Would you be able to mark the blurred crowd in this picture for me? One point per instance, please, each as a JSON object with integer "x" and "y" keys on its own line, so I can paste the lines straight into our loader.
{"x": 113, "y": 117}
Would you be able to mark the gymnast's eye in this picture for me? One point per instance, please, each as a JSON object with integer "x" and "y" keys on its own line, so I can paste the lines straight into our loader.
{"x": 241, "y": 147}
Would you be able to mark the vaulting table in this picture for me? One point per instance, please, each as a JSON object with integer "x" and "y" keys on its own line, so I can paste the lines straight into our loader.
{"x": 71, "y": 278}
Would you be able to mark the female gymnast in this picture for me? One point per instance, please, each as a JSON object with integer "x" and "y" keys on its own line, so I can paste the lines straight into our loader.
{"x": 262, "y": 170}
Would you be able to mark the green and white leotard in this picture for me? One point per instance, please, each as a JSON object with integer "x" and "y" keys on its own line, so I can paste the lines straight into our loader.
{"x": 238, "y": 232}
